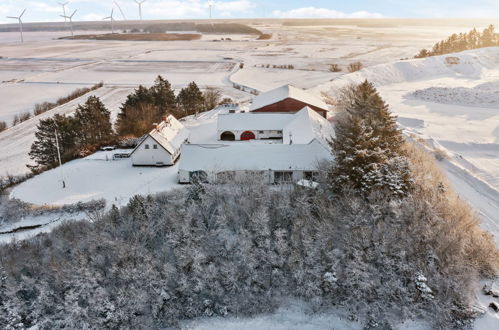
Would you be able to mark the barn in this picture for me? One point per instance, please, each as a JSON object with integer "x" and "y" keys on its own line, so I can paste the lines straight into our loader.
{"x": 161, "y": 146}
{"x": 288, "y": 99}
{"x": 288, "y": 128}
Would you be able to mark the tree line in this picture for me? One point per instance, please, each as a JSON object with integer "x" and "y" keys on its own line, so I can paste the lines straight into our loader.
{"x": 90, "y": 127}
{"x": 463, "y": 41}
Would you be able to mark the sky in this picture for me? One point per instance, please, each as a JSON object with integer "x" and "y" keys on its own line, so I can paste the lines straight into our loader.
{"x": 49, "y": 10}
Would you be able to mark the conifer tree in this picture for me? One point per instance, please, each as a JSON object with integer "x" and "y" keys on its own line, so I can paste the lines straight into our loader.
{"x": 44, "y": 149}
{"x": 368, "y": 146}
{"x": 190, "y": 99}
{"x": 94, "y": 123}
{"x": 163, "y": 94}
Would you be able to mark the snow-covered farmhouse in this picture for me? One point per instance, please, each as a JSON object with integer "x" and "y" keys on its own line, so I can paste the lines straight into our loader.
{"x": 279, "y": 148}
{"x": 288, "y": 99}
{"x": 161, "y": 146}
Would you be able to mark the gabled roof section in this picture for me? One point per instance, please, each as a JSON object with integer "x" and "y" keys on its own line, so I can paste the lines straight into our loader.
{"x": 253, "y": 157}
{"x": 306, "y": 126}
{"x": 285, "y": 92}
{"x": 170, "y": 134}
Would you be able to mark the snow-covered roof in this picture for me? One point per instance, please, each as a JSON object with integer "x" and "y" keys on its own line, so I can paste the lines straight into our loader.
{"x": 285, "y": 92}
{"x": 253, "y": 121}
{"x": 252, "y": 157}
{"x": 170, "y": 134}
{"x": 307, "y": 125}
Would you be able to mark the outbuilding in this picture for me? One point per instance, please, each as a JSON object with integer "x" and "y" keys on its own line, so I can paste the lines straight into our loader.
{"x": 288, "y": 99}
{"x": 272, "y": 163}
{"x": 161, "y": 146}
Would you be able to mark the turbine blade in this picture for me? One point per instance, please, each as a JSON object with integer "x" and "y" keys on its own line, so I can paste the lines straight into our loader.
{"x": 12, "y": 17}
{"x": 22, "y": 13}
{"x": 73, "y": 13}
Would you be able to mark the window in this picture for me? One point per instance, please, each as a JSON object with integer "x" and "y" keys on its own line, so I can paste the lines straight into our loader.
{"x": 311, "y": 175}
{"x": 198, "y": 176}
{"x": 283, "y": 177}
{"x": 226, "y": 176}
{"x": 261, "y": 132}
{"x": 279, "y": 132}
{"x": 146, "y": 146}
{"x": 155, "y": 146}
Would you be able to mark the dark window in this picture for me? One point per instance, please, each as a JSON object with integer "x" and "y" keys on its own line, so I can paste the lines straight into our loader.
{"x": 261, "y": 132}
{"x": 283, "y": 177}
{"x": 227, "y": 136}
{"x": 198, "y": 176}
{"x": 146, "y": 146}
{"x": 226, "y": 176}
{"x": 310, "y": 175}
{"x": 155, "y": 146}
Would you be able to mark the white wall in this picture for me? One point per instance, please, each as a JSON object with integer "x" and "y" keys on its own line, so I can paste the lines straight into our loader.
{"x": 259, "y": 136}
{"x": 151, "y": 157}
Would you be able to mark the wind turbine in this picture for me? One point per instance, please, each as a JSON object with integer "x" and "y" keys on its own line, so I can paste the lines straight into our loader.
{"x": 70, "y": 20}
{"x": 63, "y": 4}
{"x": 20, "y": 23}
{"x": 210, "y": 5}
{"x": 140, "y": 2}
{"x": 112, "y": 20}
{"x": 121, "y": 11}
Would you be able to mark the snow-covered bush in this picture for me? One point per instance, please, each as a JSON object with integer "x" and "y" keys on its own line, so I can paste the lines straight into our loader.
{"x": 238, "y": 249}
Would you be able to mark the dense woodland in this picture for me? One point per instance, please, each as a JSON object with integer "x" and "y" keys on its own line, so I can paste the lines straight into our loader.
{"x": 90, "y": 127}
{"x": 463, "y": 41}
{"x": 386, "y": 242}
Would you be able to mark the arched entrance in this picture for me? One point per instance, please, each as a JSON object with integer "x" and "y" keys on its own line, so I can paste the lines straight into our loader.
{"x": 227, "y": 136}
{"x": 248, "y": 135}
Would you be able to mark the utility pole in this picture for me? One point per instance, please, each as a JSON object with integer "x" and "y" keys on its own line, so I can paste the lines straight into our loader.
{"x": 59, "y": 156}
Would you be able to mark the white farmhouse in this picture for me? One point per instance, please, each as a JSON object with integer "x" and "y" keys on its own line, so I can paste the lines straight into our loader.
{"x": 278, "y": 147}
{"x": 161, "y": 146}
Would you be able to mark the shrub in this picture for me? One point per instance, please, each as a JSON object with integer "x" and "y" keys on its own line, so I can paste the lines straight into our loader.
{"x": 24, "y": 116}
{"x": 356, "y": 66}
{"x": 265, "y": 36}
{"x": 334, "y": 68}
{"x": 3, "y": 126}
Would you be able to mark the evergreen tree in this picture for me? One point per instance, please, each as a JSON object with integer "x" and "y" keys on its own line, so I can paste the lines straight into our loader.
{"x": 94, "y": 123}
{"x": 163, "y": 94}
{"x": 190, "y": 100}
{"x": 368, "y": 146}
{"x": 44, "y": 149}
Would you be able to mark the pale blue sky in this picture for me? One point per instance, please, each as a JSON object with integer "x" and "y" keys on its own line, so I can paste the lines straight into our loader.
{"x": 49, "y": 10}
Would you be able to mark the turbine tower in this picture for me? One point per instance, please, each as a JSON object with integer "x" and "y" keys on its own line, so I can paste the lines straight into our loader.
{"x": 63, "y": 4}
{"x": 121, "y": 11}
{"x": 140, "y": 2}
{"x": 70, "y": 20}
{"x": 20, "y": 24}
{"x": 210, "y": 5}
{"x": 112, "y": 20}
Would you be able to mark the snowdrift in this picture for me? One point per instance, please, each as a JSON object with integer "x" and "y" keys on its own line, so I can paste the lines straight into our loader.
{"x": 471, "y": 64}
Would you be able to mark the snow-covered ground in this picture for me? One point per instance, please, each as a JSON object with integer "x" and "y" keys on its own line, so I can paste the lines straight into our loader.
{"x": 450, "y": 104}
{"x": 294, "y": 315}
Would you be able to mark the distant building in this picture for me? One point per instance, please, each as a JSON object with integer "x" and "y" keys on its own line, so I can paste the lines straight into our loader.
{"x": 161, "y": 146}
{"x": 288, "y": 99}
